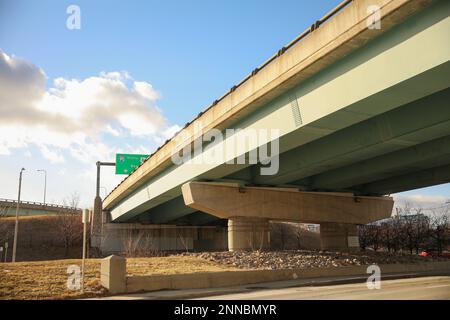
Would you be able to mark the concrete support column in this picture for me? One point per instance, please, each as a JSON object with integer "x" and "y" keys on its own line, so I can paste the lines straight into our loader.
{"x": 248, "y": 233}
{"x": 339, "y": 236}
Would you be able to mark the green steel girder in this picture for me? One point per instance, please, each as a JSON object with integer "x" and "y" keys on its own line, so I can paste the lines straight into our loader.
{"x": 427, "y": 155}
{"x": 420, "y": 179}
{"x": 409, "y": 125}
{"x": 170, "y": 210}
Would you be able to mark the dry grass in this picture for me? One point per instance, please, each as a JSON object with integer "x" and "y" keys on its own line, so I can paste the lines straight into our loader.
{"x": 48, "y": 279}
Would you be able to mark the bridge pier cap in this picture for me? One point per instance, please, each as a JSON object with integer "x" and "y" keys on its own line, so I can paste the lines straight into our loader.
{"x": 248, "y": 210}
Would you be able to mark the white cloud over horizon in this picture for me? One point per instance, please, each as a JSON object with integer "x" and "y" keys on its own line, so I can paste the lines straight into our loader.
{"x": 421, "y": 200}
{"x": 74, "y": 114}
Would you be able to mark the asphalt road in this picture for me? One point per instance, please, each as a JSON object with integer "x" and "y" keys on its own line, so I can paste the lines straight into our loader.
{"x": 437, "y": 287}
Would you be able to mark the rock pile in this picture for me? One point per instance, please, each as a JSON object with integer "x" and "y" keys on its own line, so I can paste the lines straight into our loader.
{"x": 269, "y": 260}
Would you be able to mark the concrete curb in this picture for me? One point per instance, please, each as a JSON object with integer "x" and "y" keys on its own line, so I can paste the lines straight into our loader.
{"x": 204, "y": 293}
{"x": 136, "y": 284}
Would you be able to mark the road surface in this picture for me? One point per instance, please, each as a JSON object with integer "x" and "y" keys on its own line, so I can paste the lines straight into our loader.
{"x": 437, "y": 287}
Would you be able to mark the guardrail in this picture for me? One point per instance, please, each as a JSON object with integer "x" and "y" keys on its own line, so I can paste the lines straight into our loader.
{"x": 39, "y": 204}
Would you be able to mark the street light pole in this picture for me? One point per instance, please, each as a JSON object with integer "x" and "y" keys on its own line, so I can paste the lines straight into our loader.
{"x": 45, "y": 181}
{"x": 16, "y": 227}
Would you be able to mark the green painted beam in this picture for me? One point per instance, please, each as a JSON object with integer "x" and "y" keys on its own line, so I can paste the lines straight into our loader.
{"x": 197, "y": 218}
{"x": 420, "y": 179}
{"x": 420, "y": 157}
{"x": 170, "y": 210}
{"x": 397, "y": 68}
{"x": 412, "y": 124}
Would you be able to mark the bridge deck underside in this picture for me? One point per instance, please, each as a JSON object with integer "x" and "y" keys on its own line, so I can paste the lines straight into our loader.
{"x": 377, "y": 122}
{"x": 400, "y": 150}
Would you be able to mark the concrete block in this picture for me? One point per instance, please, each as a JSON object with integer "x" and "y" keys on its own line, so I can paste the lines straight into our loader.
{"x": 113, "y": 274}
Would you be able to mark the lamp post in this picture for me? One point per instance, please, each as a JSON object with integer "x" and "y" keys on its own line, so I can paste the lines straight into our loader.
{"x": 104, "y": 189}
{"x": 45, "y": 181}
{"x": 6, "y": 251}
{"x": 16, "y": 227}
{"x": 85, "y": 219}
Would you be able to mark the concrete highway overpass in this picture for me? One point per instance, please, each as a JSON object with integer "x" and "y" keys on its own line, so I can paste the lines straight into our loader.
{"x": 360, "y": 112}
{"x": 31, "y": 208}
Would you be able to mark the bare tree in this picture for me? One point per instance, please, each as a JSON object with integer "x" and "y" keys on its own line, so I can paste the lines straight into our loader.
{"x": 183, "y": 241}
{"x": 440, "y": 228}
{"x": 138, "y": 243}
{"x": 299, "y": 234}
{"x": 5, "y": 225}
{"x": 68, "y": 225}
{"x": 131, "y": 239}
{"x": 410, "y": 229}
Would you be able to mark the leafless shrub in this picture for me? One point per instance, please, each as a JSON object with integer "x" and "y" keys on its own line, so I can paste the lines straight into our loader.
{"x": 68, "y": 225}
{"x": 184, "y": 242}
{"x": 410, "y": 229}
{"x": 138, "y": 243}
{"x": 5, "y": 226}
{"x": 440, "y": 230}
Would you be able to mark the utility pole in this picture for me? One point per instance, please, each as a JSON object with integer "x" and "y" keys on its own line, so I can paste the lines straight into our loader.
{"x": 45, "y": 181}
{"x": 16, "y": 227}
{"x": 98, "y": 200}
{"x": 6, "y": 251}
{"x": 98, "y": 205}
{"x": 85, "y": 220}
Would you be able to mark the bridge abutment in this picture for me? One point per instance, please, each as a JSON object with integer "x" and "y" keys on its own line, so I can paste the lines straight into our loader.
{"x": 248, "y": 233}
{"x": 339, "y": 236}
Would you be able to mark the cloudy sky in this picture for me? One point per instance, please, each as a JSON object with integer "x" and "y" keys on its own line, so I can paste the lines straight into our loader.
{"x": 125, "y": 82}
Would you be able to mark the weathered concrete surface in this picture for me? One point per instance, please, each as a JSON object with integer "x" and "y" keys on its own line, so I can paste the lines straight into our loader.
{"x": 338, "y": 236}
{"x": 113, "y": 274}
{"x": 228, "y": 200}
{"x": 158, "y": 238}
{"x": 248, "y": 234}
{"x": 235, "y": 278}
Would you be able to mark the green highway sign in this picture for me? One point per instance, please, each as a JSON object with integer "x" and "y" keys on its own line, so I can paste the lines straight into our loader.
{"x": 127, "y": 163}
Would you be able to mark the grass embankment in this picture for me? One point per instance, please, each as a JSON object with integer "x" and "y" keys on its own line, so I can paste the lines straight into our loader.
{"x": 48, "y": 279}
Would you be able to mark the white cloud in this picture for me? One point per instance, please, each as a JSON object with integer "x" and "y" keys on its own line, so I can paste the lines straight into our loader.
{"x": 74, "y": 115}
{"x": 72, "y": 124}
{"x": 421, "y": 200}
{"x": 51, "y": 155}
{"x": 146, "y": 90}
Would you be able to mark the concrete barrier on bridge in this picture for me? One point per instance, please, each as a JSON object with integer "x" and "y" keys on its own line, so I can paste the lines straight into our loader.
{"x": 114, "y": 276}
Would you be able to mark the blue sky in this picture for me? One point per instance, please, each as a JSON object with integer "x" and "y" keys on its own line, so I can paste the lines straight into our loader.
{"x": 183, "y": 54}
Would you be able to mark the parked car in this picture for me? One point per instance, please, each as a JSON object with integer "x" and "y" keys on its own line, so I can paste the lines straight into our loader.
{"x": 429, "y": 253}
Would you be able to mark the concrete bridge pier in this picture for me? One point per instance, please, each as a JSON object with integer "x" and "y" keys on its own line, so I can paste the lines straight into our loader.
{"x": 248, "y": 233}
{"x": 249, "y": 210}
{"x": 339, "y": 236}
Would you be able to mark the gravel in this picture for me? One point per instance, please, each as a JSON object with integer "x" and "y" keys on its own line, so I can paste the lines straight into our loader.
{"x": 298, "y": 259}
